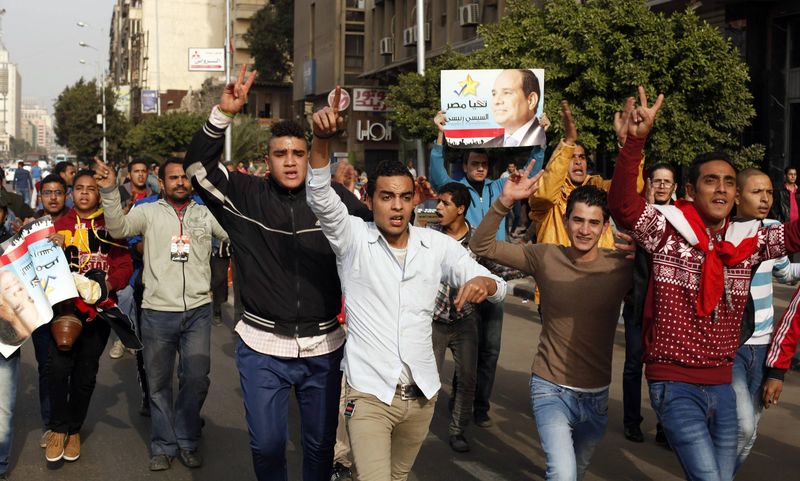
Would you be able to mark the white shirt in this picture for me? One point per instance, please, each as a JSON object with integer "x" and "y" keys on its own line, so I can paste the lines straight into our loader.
{"x": 389, "y": 307}
{"x": 518, "y": 135}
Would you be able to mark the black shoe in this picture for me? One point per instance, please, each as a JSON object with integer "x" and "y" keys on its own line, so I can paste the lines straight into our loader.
{"x": 190, "y": 459}
{"x": 341, "y": 473}
{"x": 634, "y": 434}
{"x": 159, "y": 462}
{"x": 483, "y": 421}
{"x": 216, "y": 320}
{"x": 458, "y": 443}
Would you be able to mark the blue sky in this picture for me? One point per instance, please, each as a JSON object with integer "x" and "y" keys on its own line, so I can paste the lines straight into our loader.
{"x": 42, "y": 39}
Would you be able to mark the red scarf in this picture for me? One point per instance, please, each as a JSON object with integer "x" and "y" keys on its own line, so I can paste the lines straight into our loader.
{"x": 718, "y": 253}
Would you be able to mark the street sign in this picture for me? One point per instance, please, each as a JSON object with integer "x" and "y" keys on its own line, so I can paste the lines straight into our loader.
{"x": 206, "y": 59}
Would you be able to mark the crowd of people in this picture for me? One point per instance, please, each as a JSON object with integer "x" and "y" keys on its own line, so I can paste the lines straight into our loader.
{"x": 352, "y": 307}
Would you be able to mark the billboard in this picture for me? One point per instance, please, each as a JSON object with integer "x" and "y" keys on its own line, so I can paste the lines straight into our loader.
{"x": 149, "y": 101}
{"x": 206, "y": 59}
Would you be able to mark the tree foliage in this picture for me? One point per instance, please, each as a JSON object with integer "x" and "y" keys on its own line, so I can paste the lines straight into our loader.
{"x": 159, "y": 137}
{"x": 248, "y": 139}
{"x": 271, "y": 40}
{"x": 76, "y": 127}
{"x": 595, "y": 54}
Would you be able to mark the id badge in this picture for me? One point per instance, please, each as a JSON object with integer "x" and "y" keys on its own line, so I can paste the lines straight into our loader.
{"x": 179, "y": 248}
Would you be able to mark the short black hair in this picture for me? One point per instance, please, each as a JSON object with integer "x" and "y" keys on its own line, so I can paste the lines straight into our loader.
{"x": 591, "y": 196}
{"x": 662, "y": 166}
{"x": 136, "y": 162}
{"x": 694, "y": 169}
{"x": 286, "y": 128}
{"x": 387, "y": 168}
{"x": 741, "y": 177}
{"x": 459, "y": 194}
{"x": 465, "y": 155}
{"x": 788, "y": 168}
{"x": 62, "y": 166}
{"x": 162, "y": 170}
{"x": 82, "y": 173}
{"x": 55, "y": 178}
{"x": 530, "y": 84}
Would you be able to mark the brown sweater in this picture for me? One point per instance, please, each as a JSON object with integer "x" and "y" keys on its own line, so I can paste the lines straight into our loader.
{"x": 580, "y": 303}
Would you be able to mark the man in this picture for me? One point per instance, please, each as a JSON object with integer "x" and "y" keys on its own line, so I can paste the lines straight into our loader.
{"x": 176, "y": 314}
{"x": 482, "y": 191}
{"x": 571, "y": 371}
{"x": 53, "y": 196}
{"x": 390, "y": 273}
{"x": 515, "y": 99}
{"x": 512, "y": 167}
{"x": 289, "y": 335}
{"x": 701, "y": 266}
{"x": 136, "y": 189}
{"x": 453, "y": 328}
{"x": 152, "y": 178}
{"x": 754, "y": 201}
{"x": 661, "y": 186}
{"x": 787, "y": 208}
{"x": 72, "y": 374}
{"x": 66, "y": 170}
{"x": 23, "y": 183}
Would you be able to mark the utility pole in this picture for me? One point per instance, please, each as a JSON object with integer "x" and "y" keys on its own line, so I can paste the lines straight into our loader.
{"x": 421, "y": 71}
{"x": 228, "y": 131}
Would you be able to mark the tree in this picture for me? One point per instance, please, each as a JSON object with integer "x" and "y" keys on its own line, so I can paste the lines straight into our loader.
{"x": 159, "y": 137}
{"x": 596, "y": 53}
{"x": 76, "y": 128}
{"x": 19, "y": 147}
{"x": 271, "y": 40}
{"x": 248, "y": 139}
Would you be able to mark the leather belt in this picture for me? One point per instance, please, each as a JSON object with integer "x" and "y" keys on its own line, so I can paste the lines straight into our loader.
{"x": 409, "y": 392}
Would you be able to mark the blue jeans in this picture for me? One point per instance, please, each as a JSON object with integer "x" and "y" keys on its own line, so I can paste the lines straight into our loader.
{"x": 748, "y": 375}
{"x": 8, "y": 397}
{"x": 188, "y": 334}
{"x": 699, "y": 421}
{"x": 570, "y": 425}
{"x": 266, "y": 384}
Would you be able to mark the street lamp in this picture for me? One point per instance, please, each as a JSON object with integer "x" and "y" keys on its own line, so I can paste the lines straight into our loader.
{"x": 102, "y": 95}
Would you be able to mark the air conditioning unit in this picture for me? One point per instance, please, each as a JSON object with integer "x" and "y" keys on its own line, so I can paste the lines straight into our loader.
{"x": 387, "y": 46}
{"x": 408, "y": 37}
{"x": 427, "y": 32}
{"x": 469, "y": 15}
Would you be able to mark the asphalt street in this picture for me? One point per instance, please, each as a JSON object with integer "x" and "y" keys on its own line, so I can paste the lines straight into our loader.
{"x": 115, "y": 437}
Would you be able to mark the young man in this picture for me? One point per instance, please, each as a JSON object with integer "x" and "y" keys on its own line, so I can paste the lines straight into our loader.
{"x": 176, "y": 315}
{"x": 482, "y": 191}
{"x": 53, "y": 197}
{"x": 72, "y": 374}
{"x": 23, "y": 183}
{"x": 136, "y": 189}
{"x": 701, "y": 266}
{"x": 571, "y": 371}
{"x": 661, "y": 186}
{"x": 754, "y": 202}
{"x": 453, "y": 328}
{"x": 788, "y": 208}
{"x": 289, "y": 335}
{"x": 390, "y": 273}
{"x": 66, "y": 170}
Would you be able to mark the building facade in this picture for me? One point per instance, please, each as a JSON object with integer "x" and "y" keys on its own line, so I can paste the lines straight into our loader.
{"x": 10, "y": 102}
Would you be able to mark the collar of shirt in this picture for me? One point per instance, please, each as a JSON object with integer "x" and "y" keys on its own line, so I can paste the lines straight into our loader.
{"x": 519, "y": 134}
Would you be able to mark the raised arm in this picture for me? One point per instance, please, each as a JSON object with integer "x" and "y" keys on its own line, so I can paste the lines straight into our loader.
{"x": 483, "y": 242}
{"x": 438, "y": 173}
{"x": 210, "y": 178}
{"x": 557, "y": 170}
{"x": 119, "y": 224}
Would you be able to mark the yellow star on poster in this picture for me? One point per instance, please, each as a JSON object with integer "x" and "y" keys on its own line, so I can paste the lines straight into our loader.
{"x": 468, "y": 86}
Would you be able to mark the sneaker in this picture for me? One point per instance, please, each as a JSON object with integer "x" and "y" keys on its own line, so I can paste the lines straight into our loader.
{"x": 190, "y": 459}
{"x": 117, "y": 350}
{"x": 72, "y": 451}
{"x": 43, "y": 439}
{"x": 483, "y": 421}
{"x": 341, "y": 473}
{"x": 458, "y": 443}
{"x": 159, "y": 462}
{"x": 54, "y": 450}
{"x": 216, "y": 320}
{"x": 634, "y": 434}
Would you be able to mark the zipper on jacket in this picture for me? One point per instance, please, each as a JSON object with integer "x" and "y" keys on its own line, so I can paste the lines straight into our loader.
{"x": 296, "y": 267}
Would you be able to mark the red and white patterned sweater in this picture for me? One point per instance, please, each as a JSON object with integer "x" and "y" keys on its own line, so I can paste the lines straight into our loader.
{"x": 680, "y": 345}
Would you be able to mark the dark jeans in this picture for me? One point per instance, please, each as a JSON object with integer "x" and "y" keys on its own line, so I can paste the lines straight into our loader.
{"x": 219, "y": 282}
{"x": 72, "y": 376}
{"x": 462, "y": 339}
{"x": 176, "y": 424}
{"x": 138, "y": 294}
{"x": 41, "y": 349}
{"x": 9, "y": 367}
{"x": 632, "y": 370}
{"x": 266, "y": 383}
{"x": 490, "y": 328}
{"x": 701, "y": 426}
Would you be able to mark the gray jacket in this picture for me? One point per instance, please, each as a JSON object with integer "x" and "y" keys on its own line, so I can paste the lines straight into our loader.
{"x": 168, "y": 286}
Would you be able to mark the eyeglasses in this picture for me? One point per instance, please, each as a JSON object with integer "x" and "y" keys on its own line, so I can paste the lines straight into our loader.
{"x": 662, "y": 183}
{"x": 49, "y": 193}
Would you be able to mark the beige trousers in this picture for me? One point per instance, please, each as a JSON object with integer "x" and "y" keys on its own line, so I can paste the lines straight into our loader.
{"x": 385, "y": 440}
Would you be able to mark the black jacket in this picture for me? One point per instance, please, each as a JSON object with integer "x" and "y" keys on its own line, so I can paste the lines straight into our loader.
{"x": 287, "y": 270}
{"x": 781, "y": 207}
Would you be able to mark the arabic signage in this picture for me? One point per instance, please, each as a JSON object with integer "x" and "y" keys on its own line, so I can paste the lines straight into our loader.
{"x": 493, "y": 108}
{"x": 206, "y": 59}
{"x": 368, "y": 130}
{"x": 370, "y": 100}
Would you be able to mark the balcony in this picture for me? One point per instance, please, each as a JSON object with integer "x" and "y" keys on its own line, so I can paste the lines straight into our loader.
{"x": 246, "y": 9}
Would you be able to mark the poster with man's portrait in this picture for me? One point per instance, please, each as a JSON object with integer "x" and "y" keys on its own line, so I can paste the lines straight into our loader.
{"x": 493, "y": 108}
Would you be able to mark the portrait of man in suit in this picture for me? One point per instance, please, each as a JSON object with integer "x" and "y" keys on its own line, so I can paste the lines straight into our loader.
{"x": 515, "y": 100}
